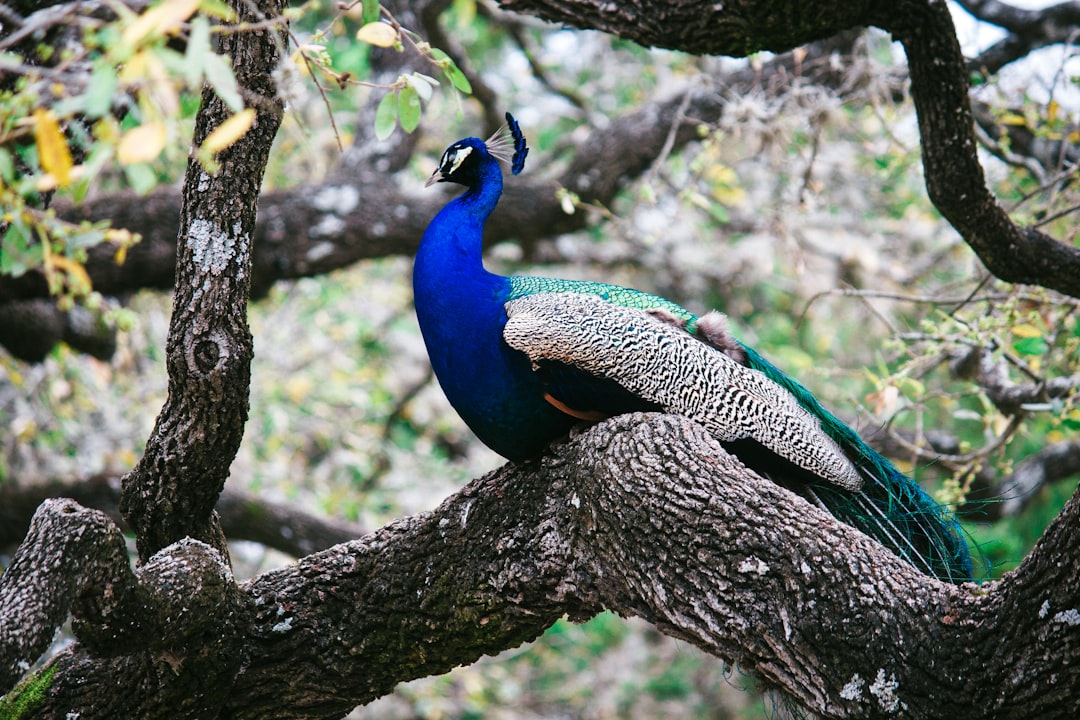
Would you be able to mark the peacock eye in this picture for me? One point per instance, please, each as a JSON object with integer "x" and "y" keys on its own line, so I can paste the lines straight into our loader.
{"x": 453, "y": 158}
{"x": 448, "y": 158}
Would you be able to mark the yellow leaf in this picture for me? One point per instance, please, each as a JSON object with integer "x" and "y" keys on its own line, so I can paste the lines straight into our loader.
{"x": 135, "y": 68}
{"x": 53, "y": 152}
{"x": 1052, "y": 110}
{"x": 1026, "y": 330}
{"x": 141, "y": 144}
{"x": 228, "y": 132}
{"x": 78, "y": 280}
{"x": 1011, "y": 118}
{"x": 160, "y": 20}
{"x": 377, "y": 33}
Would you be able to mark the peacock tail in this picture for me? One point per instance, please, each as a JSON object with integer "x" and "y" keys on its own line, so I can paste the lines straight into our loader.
{"x": 523, "y": 358}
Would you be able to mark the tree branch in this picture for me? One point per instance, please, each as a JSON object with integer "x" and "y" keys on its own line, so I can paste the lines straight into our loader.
{"x": 86, "y": 560}
{"x": 358, "y": 215}
{"x": 1028, "y": 30}
{"x": 309, "y": 231}
{"x": 171, "y": 492}
{"x": 939, "y": 87}
{"x": 646, "y": 515}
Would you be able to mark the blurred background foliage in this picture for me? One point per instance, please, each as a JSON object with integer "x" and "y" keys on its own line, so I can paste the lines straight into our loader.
{"x": 802, "y": 216}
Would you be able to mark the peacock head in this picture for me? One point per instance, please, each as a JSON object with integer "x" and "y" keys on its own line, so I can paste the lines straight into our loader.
{"x": 462, "y": 162}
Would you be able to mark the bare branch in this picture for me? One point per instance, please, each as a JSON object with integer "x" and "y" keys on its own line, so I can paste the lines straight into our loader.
{"x": 1028, "y": 30}
{"x": 283, "y": 527}
{"x": 991, "y": 374}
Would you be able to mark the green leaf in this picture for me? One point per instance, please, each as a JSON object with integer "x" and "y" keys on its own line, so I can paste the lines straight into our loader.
{"x": 386, "y": 116}
{"x": 198, "y": 49}
{"x": 1031, "y": 346}
{"x": 220, "y": 76}
{"x": 141, "y": 177}
{"x": 409, "y": 108}
{"x": 99, "y": 92}
{"x": 369, "y": 11}
{"x": 7, "y": 166}
{"x": 19, "y": 252}
{"x": 457, "y": 78}
{"x": 1071, "y": 420}
{"x": 218, "y": 9}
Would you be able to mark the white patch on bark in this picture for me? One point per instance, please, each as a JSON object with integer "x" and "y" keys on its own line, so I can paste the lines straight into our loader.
{"x": 753, "y": 565}
{"x": 853, "y": 689}
{"x": 328, "y": 225}
{"x": 1044, "y": 609}
{"x": 212, "y": 248}
{"x": 787, "y": 626}
{"x": 885, "y": 692}
{"x": 319, "y": 251}
{"x": 1068, "y": 617}
{"x": 338, "y": 199}
{"x": 283, "y": 626}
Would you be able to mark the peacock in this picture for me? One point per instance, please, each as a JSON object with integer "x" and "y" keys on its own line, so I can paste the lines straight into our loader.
{"x": 523, "y": 358}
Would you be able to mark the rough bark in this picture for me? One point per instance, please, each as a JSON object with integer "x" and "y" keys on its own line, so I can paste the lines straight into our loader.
{"x": 645, "y": 515}
{"x": 171, "y": 492}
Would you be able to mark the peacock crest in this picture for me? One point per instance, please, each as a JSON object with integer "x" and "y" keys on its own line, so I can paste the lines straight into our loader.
{"x": 507, "y": 145}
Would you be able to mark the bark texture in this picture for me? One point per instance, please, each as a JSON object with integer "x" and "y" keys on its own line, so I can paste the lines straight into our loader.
{"x": 645, "y": 515}
{"x": 171, "y": 492}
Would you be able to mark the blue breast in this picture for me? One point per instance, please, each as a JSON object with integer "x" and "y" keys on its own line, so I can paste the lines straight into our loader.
{"x": 459, "y": 306}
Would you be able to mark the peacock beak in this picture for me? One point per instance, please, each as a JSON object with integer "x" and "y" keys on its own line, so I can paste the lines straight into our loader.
{"x": 435, "y": 177}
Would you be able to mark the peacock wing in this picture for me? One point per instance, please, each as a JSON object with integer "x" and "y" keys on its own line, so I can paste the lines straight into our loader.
{"x": 662, "y": 366}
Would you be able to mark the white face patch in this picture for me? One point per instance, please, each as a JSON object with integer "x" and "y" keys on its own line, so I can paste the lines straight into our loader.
{"x": 454, "y": 157}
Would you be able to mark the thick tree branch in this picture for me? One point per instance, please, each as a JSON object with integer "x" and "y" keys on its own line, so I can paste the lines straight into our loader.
{"x": 153, "y": 644}
{"x": 954, "y": 177}
{"x": 86, "y": 560}
{"x": 646, "y": 515}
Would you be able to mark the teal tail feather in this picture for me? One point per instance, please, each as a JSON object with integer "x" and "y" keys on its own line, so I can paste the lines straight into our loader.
{"x": 890, "y": 507}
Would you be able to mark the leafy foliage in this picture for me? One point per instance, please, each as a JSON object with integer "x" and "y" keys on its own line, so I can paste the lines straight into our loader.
{"x": 124, "y": 126}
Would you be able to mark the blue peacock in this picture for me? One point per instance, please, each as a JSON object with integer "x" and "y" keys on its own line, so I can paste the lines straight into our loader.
{"x": 522, "y": 359}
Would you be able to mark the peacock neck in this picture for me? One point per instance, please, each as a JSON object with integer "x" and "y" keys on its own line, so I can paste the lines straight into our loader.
{"x": 450, "y": 256}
